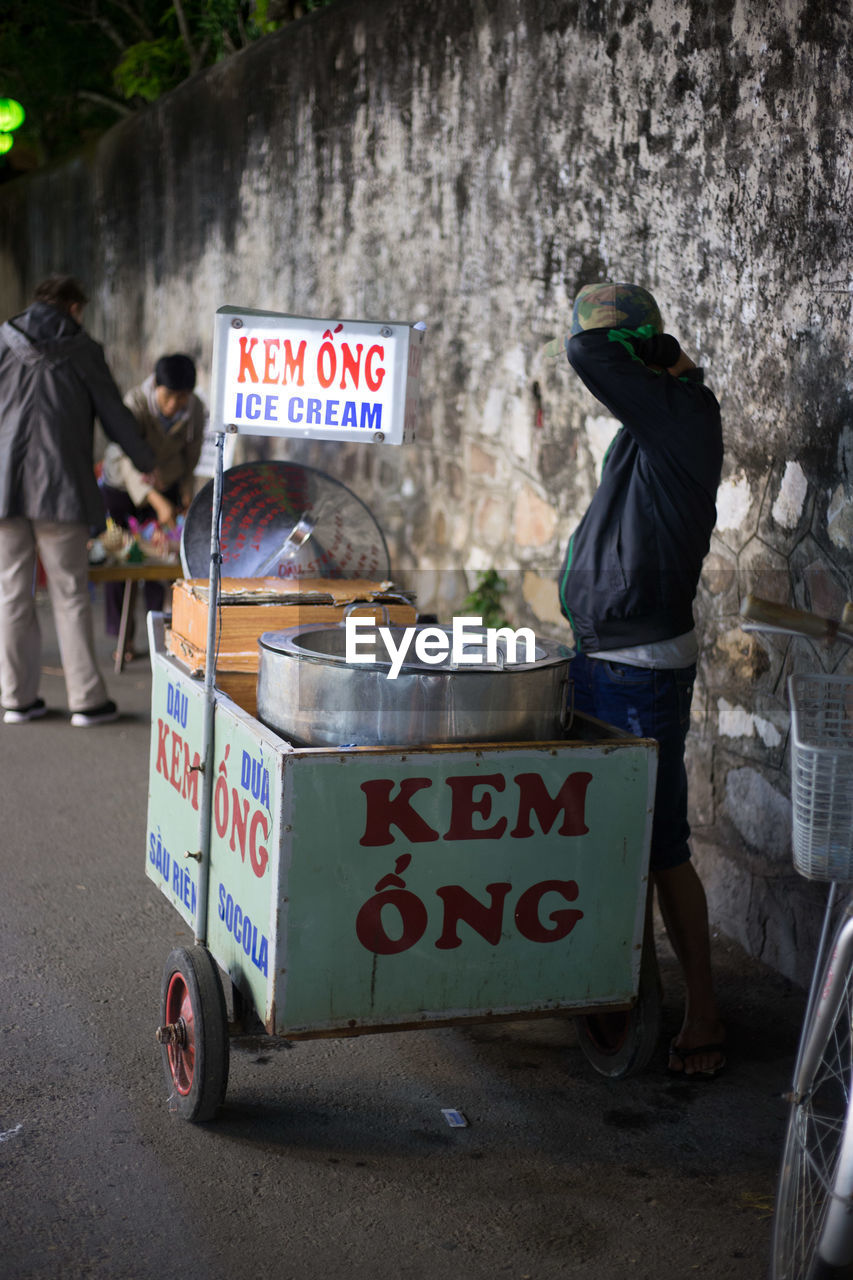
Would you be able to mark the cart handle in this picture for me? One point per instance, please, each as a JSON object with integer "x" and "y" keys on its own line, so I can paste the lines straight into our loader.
{"x": 366, "y": 606}
{"x": 567, "y": 712}
{"x": 296, "y": 538}
{"x": 767, "y": 615}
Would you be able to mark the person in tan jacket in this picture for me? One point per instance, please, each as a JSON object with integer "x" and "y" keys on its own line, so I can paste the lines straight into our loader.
{"x": 171, "y": 420}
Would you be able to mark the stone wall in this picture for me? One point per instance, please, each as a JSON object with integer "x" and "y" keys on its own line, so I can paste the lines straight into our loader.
{"x": 470, "y": 164}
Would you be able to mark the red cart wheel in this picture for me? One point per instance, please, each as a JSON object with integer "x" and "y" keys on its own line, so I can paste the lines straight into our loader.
{"x": 193, "y": 1033}
{"x": 620, "y": 1044}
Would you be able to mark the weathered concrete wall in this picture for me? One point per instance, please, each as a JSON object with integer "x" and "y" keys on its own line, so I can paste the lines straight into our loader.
{"x": 470, "y": 164}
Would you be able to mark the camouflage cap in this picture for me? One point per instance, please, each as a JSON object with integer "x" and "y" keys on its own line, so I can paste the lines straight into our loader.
{"x": 615, "y": 306}
{"x": 610, "y": 306}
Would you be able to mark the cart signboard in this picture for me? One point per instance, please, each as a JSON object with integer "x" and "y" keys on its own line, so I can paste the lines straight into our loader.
{"x": 295, "y": 376}
{"x": 244, "y": 837}
{"x": 451, "y": 884}
{"x": 174, "y": 788}
{"x": 244, "y": 856}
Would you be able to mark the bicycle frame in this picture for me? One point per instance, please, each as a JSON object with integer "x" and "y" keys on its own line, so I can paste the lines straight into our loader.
{"x": 828, "y": 1000}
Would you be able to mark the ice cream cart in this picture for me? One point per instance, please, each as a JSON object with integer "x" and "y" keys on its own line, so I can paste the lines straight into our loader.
{"x": 362, "y": 886}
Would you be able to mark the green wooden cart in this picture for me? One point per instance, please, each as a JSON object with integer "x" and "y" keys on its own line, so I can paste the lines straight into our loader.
{"x": 378, "y": 889}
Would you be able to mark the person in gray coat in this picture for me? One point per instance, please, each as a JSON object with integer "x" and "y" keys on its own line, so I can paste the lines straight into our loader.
{"x": 54, "y": 381}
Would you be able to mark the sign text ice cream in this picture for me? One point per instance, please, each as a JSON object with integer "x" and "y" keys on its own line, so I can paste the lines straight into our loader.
{"x": 340, "y": 380}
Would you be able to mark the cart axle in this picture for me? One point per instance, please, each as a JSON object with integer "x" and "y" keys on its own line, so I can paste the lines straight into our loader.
{"x": 174, "y": 1034}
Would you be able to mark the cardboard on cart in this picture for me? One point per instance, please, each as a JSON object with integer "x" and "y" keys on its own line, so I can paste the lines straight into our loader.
{"x": 251, "y": 606}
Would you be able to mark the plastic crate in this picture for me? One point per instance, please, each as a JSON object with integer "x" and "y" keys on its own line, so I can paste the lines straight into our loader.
{"x": 822, "y": 775}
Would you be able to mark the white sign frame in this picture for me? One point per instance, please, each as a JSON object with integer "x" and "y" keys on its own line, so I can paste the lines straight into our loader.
{"x": 312, "y": 379}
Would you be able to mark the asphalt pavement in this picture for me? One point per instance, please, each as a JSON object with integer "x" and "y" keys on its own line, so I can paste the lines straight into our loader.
{"x": 331, "y": 1158}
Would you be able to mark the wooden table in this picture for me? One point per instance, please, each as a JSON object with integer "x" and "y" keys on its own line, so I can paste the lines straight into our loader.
{"x": 130, "y": 574}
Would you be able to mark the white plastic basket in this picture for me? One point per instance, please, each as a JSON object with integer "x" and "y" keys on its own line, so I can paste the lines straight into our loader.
{"x": 822, "y": 775}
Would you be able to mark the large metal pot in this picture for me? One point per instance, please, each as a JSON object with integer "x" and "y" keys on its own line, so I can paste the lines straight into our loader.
{"x": 312, "y": 696}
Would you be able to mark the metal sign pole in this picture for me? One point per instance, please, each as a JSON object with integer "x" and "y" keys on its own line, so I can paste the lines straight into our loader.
{"x": 209, "y": 697}
{"x": 305, "y": 400}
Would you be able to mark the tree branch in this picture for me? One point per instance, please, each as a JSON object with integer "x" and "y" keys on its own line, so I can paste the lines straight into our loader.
{"x": 183, "y": 27}
{"x": 90, "y": 15}
{"x": 102, "y": 100}
{"x": 136, "y": 18}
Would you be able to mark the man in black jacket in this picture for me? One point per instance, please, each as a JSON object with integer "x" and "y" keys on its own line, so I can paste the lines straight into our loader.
{"x": 53, "y": 382}
{"x": 627, "y": 587}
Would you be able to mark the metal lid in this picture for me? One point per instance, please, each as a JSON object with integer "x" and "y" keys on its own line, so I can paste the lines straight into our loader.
{"x": 286, "y": 520}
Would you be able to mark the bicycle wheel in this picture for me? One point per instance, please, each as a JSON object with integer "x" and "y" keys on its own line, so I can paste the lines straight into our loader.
{"x": 818, "y": 1121}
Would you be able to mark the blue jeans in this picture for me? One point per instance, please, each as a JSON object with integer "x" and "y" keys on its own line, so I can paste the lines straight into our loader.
{"x": 647, "y": 704}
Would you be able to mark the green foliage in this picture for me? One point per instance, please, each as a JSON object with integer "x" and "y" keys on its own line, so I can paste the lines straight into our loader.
{"x": 48, "y": 54}
{"x": 224, "y": 26}
{"x": 198, "y": 33}
{"x": 485, "y": 600}
{"x": 77, "y": 66}
{"x": 150, "y": 68}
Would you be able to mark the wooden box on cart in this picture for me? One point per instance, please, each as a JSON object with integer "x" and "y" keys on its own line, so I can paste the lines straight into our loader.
{"x": 251, "y": 606}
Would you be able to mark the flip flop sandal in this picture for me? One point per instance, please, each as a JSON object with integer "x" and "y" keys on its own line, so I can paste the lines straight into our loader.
{"x": 683, "y": 1056}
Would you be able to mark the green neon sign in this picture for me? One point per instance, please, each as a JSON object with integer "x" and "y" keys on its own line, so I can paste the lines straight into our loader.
{"x": 12, "y": 116}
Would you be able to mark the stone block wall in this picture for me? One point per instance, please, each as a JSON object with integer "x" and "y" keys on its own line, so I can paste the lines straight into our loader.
{"x": 471, "y": 164}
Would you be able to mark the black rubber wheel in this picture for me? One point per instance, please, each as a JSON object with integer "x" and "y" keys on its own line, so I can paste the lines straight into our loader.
{"x": 193, "y": 1033}
{"x": 621, "y": 1044}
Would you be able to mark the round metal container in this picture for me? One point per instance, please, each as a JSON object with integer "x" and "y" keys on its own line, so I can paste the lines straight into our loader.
{"x": 312, "y": 696}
